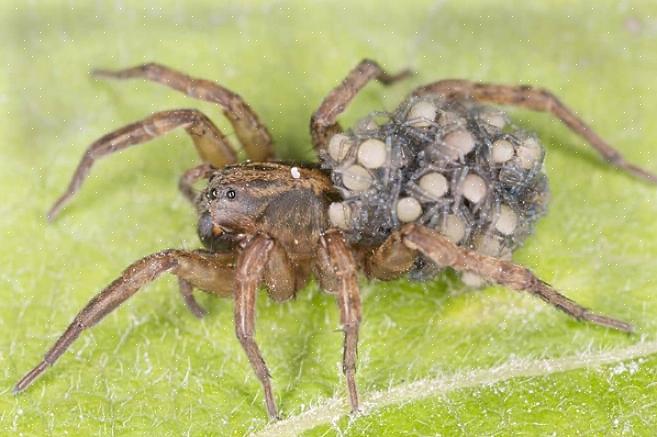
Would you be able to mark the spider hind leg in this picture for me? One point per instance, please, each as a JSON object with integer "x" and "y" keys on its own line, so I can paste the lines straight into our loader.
{"x": 536, "y": 99}
{"x": 447, "y": 254}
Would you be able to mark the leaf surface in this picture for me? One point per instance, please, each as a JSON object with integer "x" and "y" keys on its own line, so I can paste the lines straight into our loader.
{"x": 151, "y": 367}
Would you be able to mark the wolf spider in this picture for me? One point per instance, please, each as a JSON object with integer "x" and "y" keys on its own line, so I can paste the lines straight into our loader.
{"x": 267, "y": 223}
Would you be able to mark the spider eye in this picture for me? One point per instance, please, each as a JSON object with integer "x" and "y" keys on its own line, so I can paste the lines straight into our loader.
{"x": 212, "y": 194}
{"x": 230, "y": 194}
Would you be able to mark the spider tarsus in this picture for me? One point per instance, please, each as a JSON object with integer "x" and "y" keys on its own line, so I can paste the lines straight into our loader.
{"x": 56, "y": 207}
{"x": 608, "y": 322}
{"x": 353, "y": 392}
{"x": 119, "y": 74}
{"x": 393, "y": 78}
{"x": 572, "y": 308}
{"x": 618, "y": 161}
{"x": 271, "y": 409}
{"x": 384, "y": 77}
{"x": 198, "y": 311}
{"x": 52, "y": 213}
{"x": 30, "y": 377}
{"x": 639, "y": 172}
{"x": 193, "y": 306}
{"x": 103, "y": 73}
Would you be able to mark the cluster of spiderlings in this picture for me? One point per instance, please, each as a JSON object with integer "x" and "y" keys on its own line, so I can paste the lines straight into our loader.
{"x": 456, "y": 166}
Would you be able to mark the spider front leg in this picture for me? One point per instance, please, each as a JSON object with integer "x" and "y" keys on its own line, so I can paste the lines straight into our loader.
{"x": 536, "y": 99}
{"x": 339, "y": 262}
{"x": 213, "y": 272}
{"x": 249, "y": 272}
{"x": 323, "y": 124}
{"x": 211, "y": 144}
{"x": 447, "y": 254}
{"x": 253, "y": 135}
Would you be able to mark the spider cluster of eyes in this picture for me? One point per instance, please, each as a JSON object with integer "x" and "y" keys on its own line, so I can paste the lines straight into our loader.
{"x": 359, "y": 160}
{"x": 213, "y": 194}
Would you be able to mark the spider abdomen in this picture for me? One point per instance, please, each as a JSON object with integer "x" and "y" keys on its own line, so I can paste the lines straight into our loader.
{"x": 455, "y": 166}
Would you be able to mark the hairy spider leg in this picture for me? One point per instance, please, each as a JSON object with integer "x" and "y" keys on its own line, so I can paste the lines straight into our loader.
{"x": 213, "y": 147}
{"x": 536, "y": 99}
{"x": 323, "y": 124}
{"x": 344, "y": 269}
{"x": 444, "y": 253}
{"x": 339, "y": 270}
{"x": 249, "y": 272}
{"x": 212, "y": 272}
{"x": 253, "y": 135}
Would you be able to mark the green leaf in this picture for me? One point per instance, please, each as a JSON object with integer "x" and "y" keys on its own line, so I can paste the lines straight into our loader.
{"x": 151, "y": 367}
{"x": 514, "y": 399}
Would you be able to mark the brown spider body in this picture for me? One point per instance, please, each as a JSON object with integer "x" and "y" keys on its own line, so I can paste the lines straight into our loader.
{"x": 440, "y": 155}
{"x": 266, "y": 198}
{"x": 269, "y": 200}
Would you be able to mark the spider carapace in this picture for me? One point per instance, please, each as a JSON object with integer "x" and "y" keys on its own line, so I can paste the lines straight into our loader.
{"x": 441, "y": 182}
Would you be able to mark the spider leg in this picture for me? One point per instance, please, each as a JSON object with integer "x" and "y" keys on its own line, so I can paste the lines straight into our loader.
{"x": 536, "y": 99}
{"x": 251, "y": 263}
{"x": 323, "y": 123}
{"x": 343, "y": 269}
{"x": 211, "y": 271}
{"x": 447, "y": 254}
{"x": 253, "y": 135}
{"x": 391, "y": 259}
{"x": 281, "y": 277}
{"x": 211, "y": 144}
{"x": 190, "y": 177}
{"x": 186, "y": 290}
